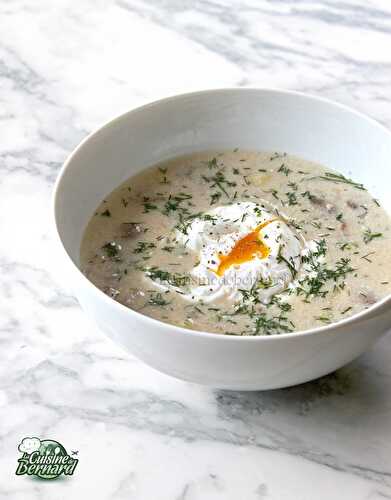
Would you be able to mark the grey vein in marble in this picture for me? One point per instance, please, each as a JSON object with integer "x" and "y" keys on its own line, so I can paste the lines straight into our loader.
{"x": 67, "y": 67}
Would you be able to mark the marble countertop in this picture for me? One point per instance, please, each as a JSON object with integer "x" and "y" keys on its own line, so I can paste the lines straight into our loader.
{"x": 65, "y": 68}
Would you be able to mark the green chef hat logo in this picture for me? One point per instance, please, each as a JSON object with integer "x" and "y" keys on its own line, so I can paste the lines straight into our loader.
{"x": 47, "y": 459}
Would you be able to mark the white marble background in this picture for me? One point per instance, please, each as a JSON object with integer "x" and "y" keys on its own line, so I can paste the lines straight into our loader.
{"x": 67, "y": 66}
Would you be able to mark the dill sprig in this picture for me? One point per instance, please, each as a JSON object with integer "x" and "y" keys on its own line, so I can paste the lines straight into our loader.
{"x": 284, "y": 169}
{"x": 339, "y": 178}
{"x": 313, "y": 285}
{"x": 143, "y": 246}
{"x": 173, "y": 203}
{"x": 269, "y": 326}
{"x": 368, "y": 236}
{"x": 289, "y": 263}
{"x": 157, "y": 299}
{"x": 219, "y": 180}
{"x": 161, "y": 275}
{"x": 184, "y": 223}
{"x": 111, "y": 249}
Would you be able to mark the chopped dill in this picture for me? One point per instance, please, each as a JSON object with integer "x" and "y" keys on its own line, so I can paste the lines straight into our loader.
{"x": 292, "y": 200}
{"x": 276, "y": 155}
{"x": 219, "y": 180}
{"x": 368, "y": 236}
{"x": 214, "y": 198}
{"x": 143, "y": 246}
{"x": 339, "y": 178}
{"x": 111, "y": 249}
{"x": 268, "y": 326}
{"x": 289, "y": 263}
{"x": 175, "y": 279}
{"x": 212, "y": 163}
{"x": 157, "y": 299}
{"x": 148, "y": 206}
{"x": 284, "y": 169}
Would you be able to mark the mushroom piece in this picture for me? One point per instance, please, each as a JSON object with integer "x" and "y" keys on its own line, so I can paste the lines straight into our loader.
{"x": 364, "y": 211}
{"x": 330, "y": 208}
{"x": 316, "y": 200}
{"x": 368, "y": 297}
{"x": 135, "y": 298}
{"x": 321, "y": 202}
{"x": 352, "y": 204}
{"x": 111, "y": 292}
{"x": 130, "y": 229}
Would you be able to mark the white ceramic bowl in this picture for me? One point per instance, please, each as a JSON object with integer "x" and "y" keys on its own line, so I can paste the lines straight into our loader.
{"x": 257, "y": 119}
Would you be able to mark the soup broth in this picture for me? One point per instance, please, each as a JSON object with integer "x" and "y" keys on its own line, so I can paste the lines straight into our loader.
{"x": 240, "y": 243}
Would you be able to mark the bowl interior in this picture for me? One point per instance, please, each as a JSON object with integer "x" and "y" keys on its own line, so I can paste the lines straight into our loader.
{"x": 253, "y": 119}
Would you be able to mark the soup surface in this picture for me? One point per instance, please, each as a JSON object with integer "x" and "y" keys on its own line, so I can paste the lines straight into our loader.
{"x": 240, "y": 243}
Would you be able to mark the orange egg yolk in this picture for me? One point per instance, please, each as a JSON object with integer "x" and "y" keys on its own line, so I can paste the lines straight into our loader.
{"x": 245, "y": 249}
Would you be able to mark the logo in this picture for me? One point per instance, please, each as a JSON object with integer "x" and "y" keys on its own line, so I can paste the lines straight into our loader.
{"x": 46, "y": 459}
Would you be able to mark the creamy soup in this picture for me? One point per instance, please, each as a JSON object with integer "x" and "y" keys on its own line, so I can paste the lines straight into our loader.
{"x": 240, "y": 243}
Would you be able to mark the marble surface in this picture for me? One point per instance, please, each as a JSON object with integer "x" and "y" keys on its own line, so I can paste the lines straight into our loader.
{"x": 65, "y": 68}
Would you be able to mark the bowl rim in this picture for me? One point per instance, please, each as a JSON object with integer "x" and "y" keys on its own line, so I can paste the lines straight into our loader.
{"x": 155, "y": 323}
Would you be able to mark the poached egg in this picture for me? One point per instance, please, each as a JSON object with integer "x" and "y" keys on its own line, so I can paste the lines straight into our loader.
{"x": 241, "y": 247}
